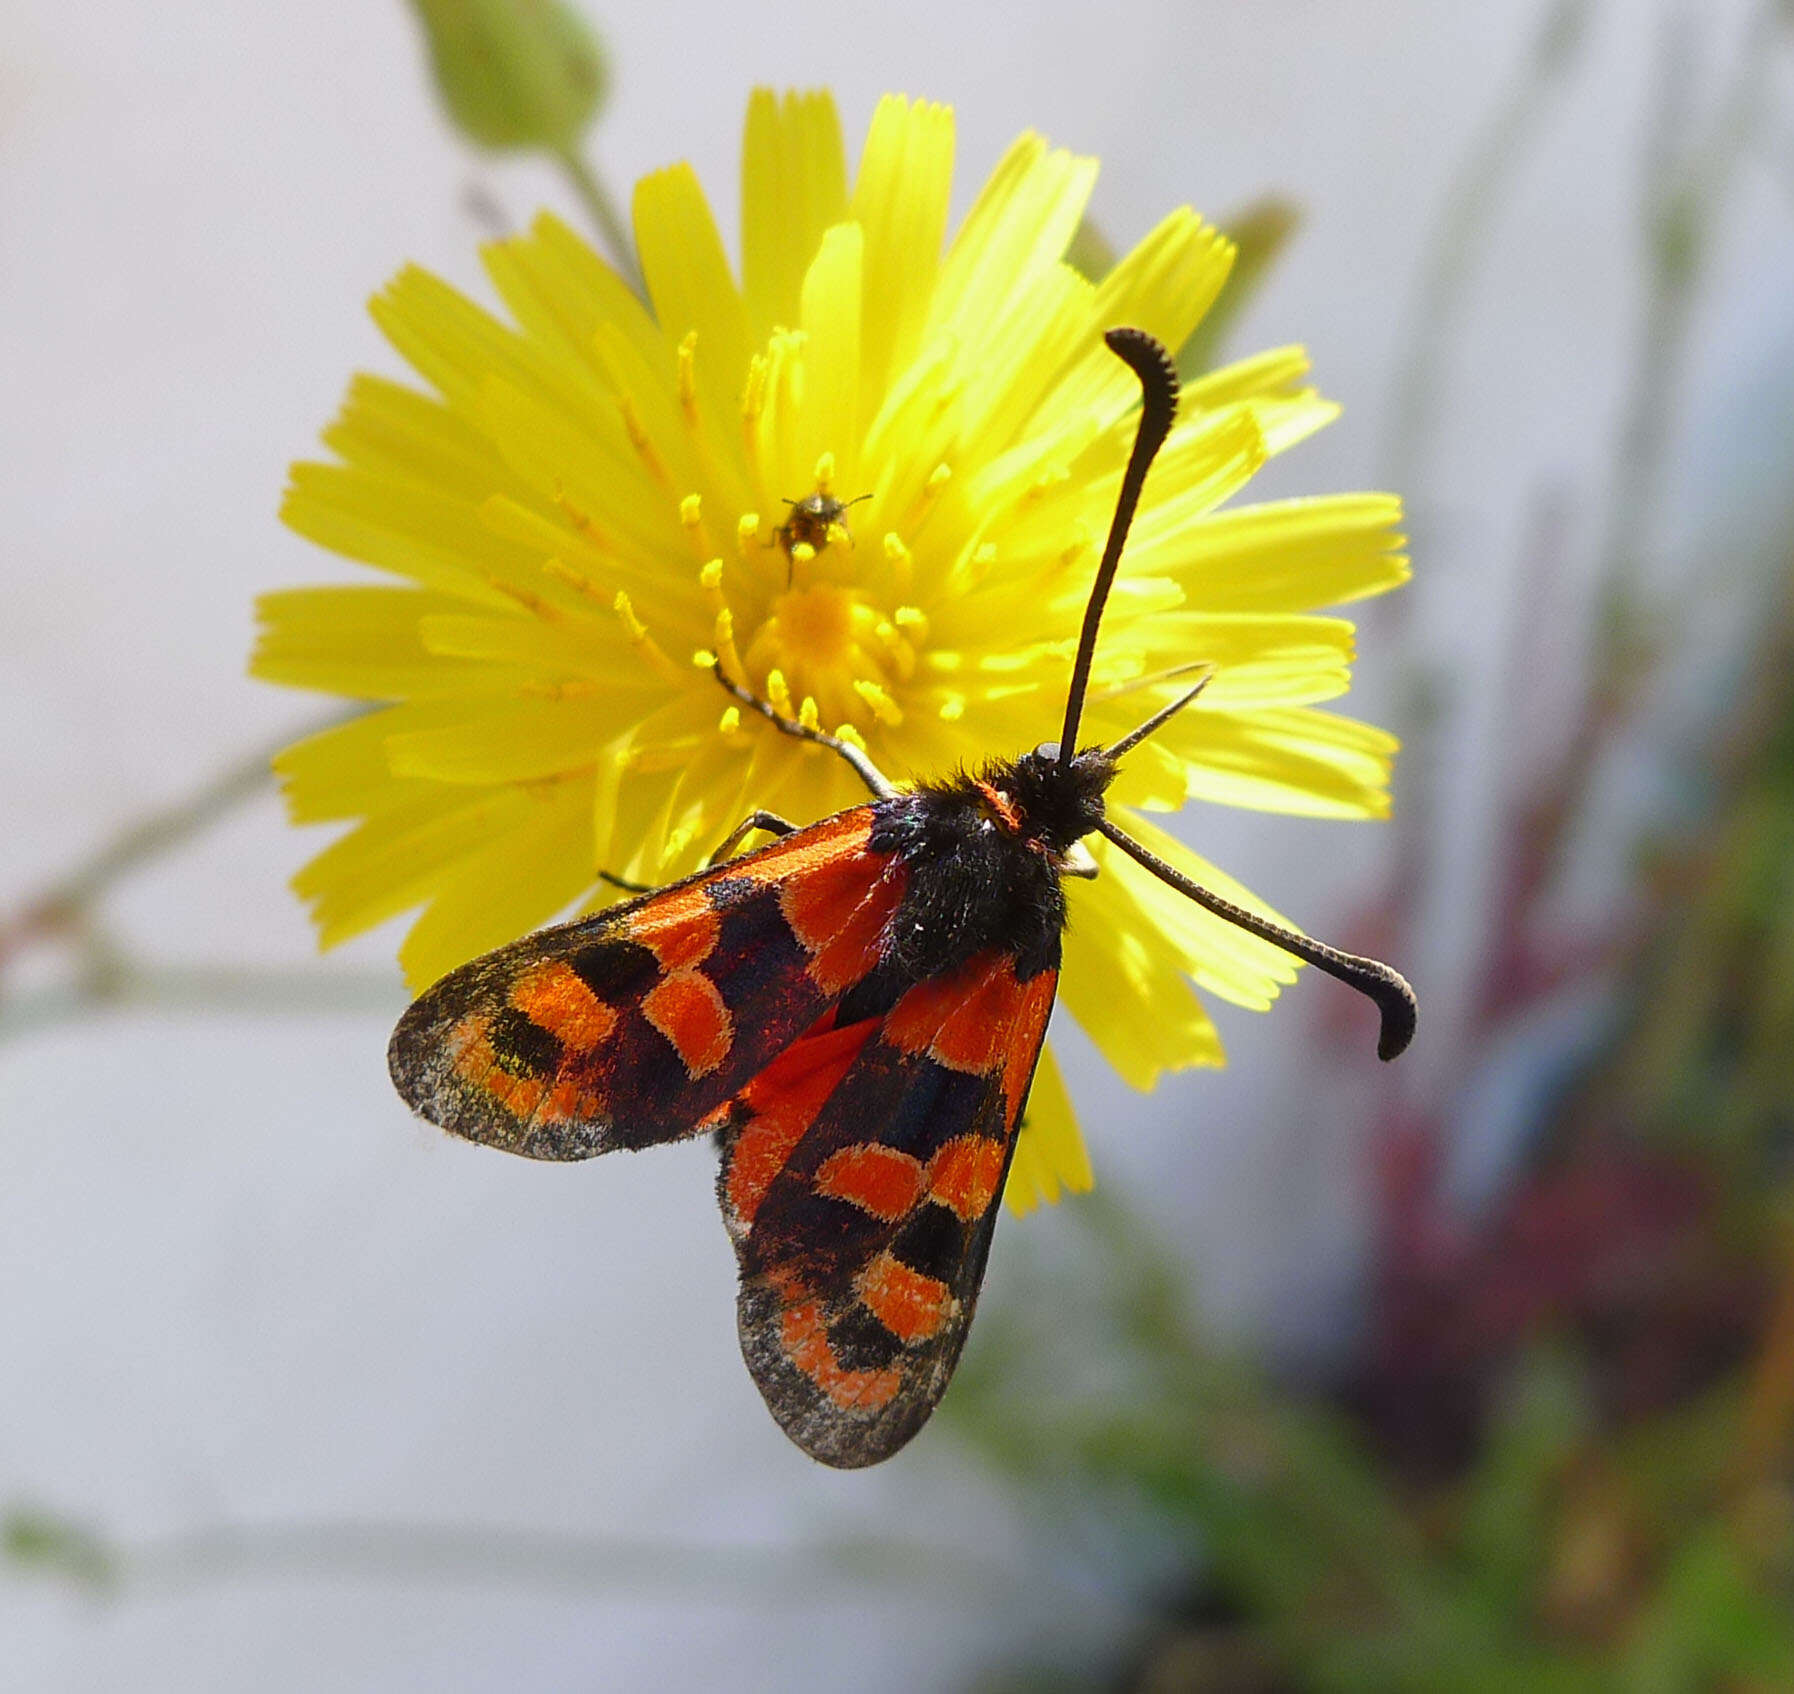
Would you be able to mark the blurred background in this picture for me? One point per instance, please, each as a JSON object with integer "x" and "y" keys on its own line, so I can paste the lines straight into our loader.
{"x": 1475, "y": 1373}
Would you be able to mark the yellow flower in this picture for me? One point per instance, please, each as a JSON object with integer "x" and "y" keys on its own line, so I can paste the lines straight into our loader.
{"x": 586, "y": 496}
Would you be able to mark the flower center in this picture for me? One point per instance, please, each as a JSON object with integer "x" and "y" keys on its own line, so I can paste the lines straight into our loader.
{"x": 828, "y": 643}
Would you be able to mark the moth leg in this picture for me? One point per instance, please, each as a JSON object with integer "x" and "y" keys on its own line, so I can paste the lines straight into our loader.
{"x": 625, "y": 884}
{"x": 771, "y": 822}
{"x": 868, "y": 773}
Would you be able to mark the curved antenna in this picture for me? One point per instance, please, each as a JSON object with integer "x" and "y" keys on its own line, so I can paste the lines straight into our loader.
{"x": 1388, "y": 988}
{"x": 1149, "y": 361}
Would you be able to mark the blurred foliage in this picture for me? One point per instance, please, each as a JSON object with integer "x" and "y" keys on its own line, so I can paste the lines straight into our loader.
{"x": 35, "y": 1540}
{"x": 1575, "y": 1550}
{"x": 1560, "y": 1455}
{"x": 515, "y": 73}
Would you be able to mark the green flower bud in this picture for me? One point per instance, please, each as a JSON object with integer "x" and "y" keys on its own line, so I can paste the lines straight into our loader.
{"x": 515, "y": 73}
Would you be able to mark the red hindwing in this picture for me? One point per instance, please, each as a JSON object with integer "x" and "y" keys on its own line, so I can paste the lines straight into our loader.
{"x": 861, "y": 1177}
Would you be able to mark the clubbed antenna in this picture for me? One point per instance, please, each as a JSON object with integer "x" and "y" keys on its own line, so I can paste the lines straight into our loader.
{"x": 1158, "y": 408}
{"x": 1388, "y": 988}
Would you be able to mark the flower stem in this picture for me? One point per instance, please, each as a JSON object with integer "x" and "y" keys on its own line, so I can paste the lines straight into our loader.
{"x": 602, "y": 208}
{"x": 58, "y": 909}
{"x": 490, "y": 1555}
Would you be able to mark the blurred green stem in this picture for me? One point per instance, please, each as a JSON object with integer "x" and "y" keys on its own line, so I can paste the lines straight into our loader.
{"x": 41, "y": 1542}
{"x": 118, "y": 983}
{"x": 64, "y": 911}
{"x": 602, "y": 208}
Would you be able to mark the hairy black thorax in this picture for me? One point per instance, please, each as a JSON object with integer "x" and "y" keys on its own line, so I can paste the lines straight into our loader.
{"x": 984, "y": 854}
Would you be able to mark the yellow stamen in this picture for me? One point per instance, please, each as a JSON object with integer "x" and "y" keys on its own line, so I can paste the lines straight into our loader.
{"x": 778, "y": 692}
{"x": 903, "y": 566}
{"x": 825, "y": 473}
{"x": 691, "y": 518}
{"x": 884, "y": 708}
{"x": 644, "y": 643}
{"x": 688, "y": 377}
{"x": 725, "y": 644}
{"x": 528, "y": 600}
{"x": 578, "y": 581}
{"x": 582, "y": 520}
{"x": 642, "y": 441}
{"x": 913, "y": 621}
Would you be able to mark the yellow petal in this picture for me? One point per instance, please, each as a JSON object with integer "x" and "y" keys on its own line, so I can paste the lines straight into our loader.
{"x": 1295, "y": 759}
{"x": 1163, "y": 286}
{"x": 1219, "y": 956}
{"x": 793, "y": 187}
{"x": 1049, "y": 1151}
{"x": 1290, "y": 555}
{"x": 1262, "y": 376}
{"x": 363, "y": 643}
{"x": 402, "y": 528}
{"x": 831, "y": 325}
{"x": 689, "y": 282}
{"x": 517, "y": 881}
{"x": 1126, "y": 991}
{"x": 385, "y": 427}
{"x": 562, "y": 294}
{"x": 517, "y": 740}
{"x": 1290, "y": 660}
{"x": 460, "y": 348}
{"x": 900, "y": 199}
{"x": 1016, "y": 231}
{"x": 392, "y": 860}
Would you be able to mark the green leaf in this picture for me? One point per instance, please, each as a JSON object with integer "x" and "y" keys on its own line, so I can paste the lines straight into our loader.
{"x": 515, "y": 73}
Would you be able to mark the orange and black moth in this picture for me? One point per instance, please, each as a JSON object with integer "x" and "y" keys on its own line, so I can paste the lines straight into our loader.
{"x": 855, "y": 1012}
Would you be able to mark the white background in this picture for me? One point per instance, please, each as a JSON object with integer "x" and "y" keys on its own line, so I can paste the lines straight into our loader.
{"x": 237, "y": 1283}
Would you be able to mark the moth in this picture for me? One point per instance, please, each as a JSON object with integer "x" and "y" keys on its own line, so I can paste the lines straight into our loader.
{"x": 855, "y": 1012}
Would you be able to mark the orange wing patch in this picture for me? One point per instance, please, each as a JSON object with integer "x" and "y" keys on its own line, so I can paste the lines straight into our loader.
{"x": 810, "y": 852}
{"x": 911, "y": 1305}
{"x": 554, "y": 997}
{"x": 680, "y": 928}
{"x": 687, "y": 1008}
{"x": 966, "y": 1021}
{"x": 877, "y": 1179}
{"x": 803, "y": 1333}
{"x": 964, "y": 1175}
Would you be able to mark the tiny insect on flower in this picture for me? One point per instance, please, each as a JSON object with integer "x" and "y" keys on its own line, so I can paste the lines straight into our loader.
{"x": 856, "y": 1012}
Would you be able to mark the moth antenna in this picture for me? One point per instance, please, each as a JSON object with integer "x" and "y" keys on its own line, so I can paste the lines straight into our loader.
{"x": 1152, "y": 679}
{"x": 1145, "y": 355}
{"x": 1388, "y": 988}
{"x": 1162, "y": 716}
